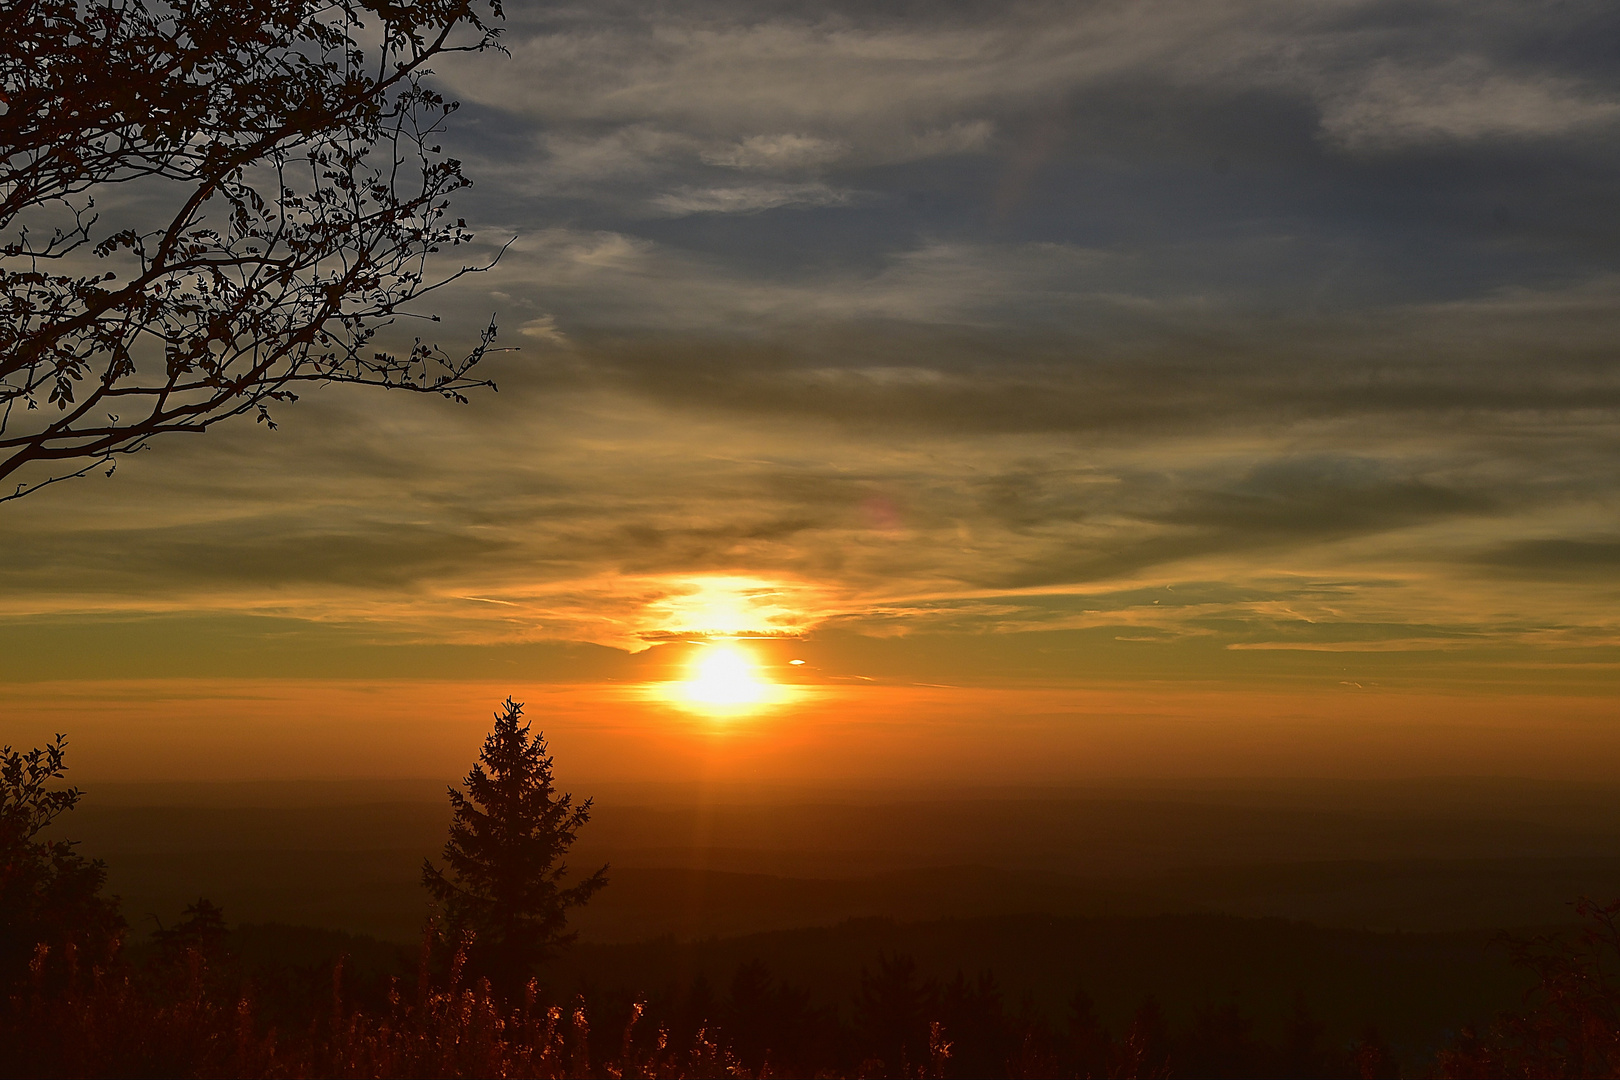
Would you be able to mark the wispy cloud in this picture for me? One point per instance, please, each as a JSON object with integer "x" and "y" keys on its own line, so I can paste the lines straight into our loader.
{"x": 1282, "y": 327}
{"x": 750, "y": 199}
{"x": 787, "y": 150}
{"x": 1463, "y": 99}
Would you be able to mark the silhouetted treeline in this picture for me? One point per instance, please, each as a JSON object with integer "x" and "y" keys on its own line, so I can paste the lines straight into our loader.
{"x": 192, "y": 1004}
{"x": 201, "y": 999}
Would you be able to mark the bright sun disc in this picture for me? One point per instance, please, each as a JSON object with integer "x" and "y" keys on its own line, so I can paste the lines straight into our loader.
{"x": 724, "y": 677}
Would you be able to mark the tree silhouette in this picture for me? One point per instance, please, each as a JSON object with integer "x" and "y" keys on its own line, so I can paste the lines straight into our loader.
{"x": 1570, "y": 1025}
{"x": 892, "y": 1013}
{"x": 201, "y": 927}
{"x": 280, "y": 190}
{"x": 508, "y": 835}
{"x": 49, "y": 894}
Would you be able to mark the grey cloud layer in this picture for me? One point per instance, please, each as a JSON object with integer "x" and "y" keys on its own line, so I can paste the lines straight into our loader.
{"x": 1379, "y": 73}
{"x": 677, "y": 92}
{"x": 1104, "y": 170}
{"x": 975, "y": 317}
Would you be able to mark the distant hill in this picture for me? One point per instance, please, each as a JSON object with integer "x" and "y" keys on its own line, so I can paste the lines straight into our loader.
{"x": 1461, "y": 856}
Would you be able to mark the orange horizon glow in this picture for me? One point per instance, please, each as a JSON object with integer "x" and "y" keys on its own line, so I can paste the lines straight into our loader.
{"x": 244, "y": 729}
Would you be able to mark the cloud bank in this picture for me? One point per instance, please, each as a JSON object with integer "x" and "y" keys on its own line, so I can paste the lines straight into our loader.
{"x": 1271, "y": 327}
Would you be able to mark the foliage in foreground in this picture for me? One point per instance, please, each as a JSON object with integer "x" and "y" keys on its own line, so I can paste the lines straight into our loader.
{"x": 171, "y": 1020}
{"x": 74, "y": 1002}
{"x": 190, "y": 1010}
{"x": 48, "y": 891}
{"x": 1570, "y": 1027}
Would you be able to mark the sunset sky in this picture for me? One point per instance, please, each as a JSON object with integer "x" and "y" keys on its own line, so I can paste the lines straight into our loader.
{"x": 1076, "y": 389}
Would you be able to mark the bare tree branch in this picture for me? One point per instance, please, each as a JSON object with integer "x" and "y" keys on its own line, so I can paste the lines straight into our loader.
{"x": 294, "y": 144}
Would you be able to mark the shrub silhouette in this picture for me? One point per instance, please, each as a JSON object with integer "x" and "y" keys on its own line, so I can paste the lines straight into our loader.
{"x": 1571, "y": 1024}
{"x": 50, "y": 895}
{"x": 503, "y": 893}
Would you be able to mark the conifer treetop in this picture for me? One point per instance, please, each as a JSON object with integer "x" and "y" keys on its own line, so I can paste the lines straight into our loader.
{"x": 503, "y": 884}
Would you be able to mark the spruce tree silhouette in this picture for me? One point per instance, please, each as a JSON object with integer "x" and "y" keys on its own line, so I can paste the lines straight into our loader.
{"x": 508, "y": 835}
{"x": 892, "y": 1013}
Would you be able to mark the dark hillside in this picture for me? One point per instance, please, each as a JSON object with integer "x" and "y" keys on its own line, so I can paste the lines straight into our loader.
{"x": 733, "y": 868}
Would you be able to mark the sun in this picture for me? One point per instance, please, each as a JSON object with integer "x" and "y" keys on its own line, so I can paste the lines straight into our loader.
{"x": 725, "y": 678}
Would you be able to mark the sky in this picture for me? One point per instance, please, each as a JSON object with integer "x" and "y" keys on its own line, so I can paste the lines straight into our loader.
{"x": 1232, "y": 381}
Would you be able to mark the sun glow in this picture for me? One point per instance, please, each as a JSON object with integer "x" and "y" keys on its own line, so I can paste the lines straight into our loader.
{"x": 725, "y": 678}
{"x": 729, "y": 607}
